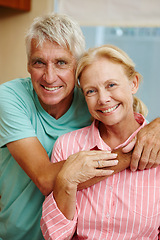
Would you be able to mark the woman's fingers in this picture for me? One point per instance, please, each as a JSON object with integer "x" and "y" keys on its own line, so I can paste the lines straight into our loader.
{"x": 105, "y": 163}
{"x": 85, "y": 165}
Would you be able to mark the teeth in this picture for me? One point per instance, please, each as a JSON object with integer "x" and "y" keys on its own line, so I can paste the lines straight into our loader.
{"x": 110, "y": 109}
{"x": 51, "y": 89}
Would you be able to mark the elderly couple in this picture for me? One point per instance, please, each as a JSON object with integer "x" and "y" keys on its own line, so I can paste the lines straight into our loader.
{"x": 88, "y": 196}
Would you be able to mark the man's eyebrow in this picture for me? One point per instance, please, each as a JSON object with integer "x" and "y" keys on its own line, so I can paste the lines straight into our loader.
{"x": 62, "y": 58}
{"x": 34, "y": 59}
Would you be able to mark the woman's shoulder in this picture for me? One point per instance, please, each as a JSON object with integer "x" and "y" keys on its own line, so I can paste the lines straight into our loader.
{"x": 82, "y": 132}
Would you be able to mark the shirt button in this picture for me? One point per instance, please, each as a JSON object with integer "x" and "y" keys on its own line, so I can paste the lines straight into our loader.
{"x": 111, "y": 188}
{"x": 108, "y": 215}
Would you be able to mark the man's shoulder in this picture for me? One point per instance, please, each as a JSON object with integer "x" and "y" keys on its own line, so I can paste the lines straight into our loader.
{"x": 17, "y": 83}
{"x": 20, "y": 88}
{"x": 17, "y": 94}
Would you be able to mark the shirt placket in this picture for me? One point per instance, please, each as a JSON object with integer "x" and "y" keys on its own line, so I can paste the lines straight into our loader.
{"x": 109, "y": 205}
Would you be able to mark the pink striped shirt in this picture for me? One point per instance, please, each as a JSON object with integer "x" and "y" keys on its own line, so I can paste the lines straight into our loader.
{"x": 123, "y": 206}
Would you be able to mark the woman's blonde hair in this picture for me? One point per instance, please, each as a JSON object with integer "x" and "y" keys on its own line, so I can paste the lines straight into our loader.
{"x": 116, "y": 55}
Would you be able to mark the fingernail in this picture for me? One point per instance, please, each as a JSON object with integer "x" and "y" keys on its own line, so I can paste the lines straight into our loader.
{"x": 133, "y": 169}
{"x": 114, "y": 154}
{"x": 116, "y": 161}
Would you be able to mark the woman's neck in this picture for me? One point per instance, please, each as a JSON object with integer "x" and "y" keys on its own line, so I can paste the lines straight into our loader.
{"x": 117, "y": 134}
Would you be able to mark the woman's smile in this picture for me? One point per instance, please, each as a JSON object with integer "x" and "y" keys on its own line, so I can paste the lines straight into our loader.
{"x": 110, "y": 109}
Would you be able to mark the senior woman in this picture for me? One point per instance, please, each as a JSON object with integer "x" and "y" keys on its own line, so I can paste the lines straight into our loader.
{"x": 125, "y": 205}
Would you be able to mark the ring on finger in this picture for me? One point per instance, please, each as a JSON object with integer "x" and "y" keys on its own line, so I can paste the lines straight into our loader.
{"x": 98, "y": 163}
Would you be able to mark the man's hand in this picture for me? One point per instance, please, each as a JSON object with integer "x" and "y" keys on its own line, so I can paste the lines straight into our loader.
{"x": 146, "y": 152}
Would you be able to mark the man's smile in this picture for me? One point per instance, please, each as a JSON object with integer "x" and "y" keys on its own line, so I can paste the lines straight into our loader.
{"x": 52, "y": 88}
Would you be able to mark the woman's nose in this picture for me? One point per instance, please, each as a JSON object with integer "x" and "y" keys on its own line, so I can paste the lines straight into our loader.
{"x": 103, "y": 97}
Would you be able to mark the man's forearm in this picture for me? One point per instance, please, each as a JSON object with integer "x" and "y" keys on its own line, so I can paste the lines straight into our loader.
{"x": 33, "y": 159}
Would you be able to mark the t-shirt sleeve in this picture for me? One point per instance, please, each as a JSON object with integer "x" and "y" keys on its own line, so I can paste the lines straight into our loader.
{"x": 15, "y": 120}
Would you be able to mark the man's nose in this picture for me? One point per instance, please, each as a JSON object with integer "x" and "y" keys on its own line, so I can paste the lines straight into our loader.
{"x": 50, "y": 74}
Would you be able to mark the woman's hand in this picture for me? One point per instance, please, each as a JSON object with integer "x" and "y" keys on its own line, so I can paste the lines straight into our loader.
{"x": 78, "y": 168}
{"x": 85, "y": 165}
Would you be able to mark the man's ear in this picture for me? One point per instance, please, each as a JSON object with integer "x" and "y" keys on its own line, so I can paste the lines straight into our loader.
{"x": 135, "y": 84}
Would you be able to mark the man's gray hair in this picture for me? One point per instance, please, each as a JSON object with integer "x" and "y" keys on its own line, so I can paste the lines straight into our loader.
{"x": 58, "y": 28}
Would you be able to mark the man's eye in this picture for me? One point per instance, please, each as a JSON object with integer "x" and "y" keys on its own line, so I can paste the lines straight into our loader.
{"x": 61, "y": 62}
{"x": 90, "y": 92}
{"x": 38, "y": 63}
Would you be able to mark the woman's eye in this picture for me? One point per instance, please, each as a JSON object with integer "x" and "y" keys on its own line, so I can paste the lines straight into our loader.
{"x": 111, "y": 85}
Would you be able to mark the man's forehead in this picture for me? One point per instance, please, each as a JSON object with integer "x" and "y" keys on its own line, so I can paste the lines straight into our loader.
{"x": 36, "y": 42}
{"x": 52, "y": 45}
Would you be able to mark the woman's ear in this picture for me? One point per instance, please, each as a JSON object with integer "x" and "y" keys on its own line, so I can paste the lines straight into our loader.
{"x": 135, "y": 84}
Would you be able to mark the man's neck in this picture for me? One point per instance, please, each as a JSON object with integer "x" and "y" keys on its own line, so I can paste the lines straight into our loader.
{"x": 58, "y": 110}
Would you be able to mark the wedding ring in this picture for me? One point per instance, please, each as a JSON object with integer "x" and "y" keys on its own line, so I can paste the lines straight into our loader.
{"x": 98, "y": 163}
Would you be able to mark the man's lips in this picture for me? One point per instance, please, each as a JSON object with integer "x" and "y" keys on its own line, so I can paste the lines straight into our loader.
{"x": 51, "y": 88}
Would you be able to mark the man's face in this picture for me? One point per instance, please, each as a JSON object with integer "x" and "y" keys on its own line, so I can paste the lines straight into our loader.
{"x": 52, "y": 70}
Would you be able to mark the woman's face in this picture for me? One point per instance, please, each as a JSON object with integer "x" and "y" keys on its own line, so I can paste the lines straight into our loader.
{"x": 108, "y": 91}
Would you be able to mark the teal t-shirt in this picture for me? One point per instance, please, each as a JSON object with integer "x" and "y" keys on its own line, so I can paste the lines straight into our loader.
{"x": 22, "y": 116}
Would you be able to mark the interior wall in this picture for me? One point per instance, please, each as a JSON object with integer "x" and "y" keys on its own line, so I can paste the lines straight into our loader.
{"x": 13, "y": 26}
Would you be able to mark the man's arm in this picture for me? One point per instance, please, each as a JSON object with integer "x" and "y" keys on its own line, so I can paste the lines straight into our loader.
{"x": 33, "y": 159}
{"x": 146, "y": 152}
